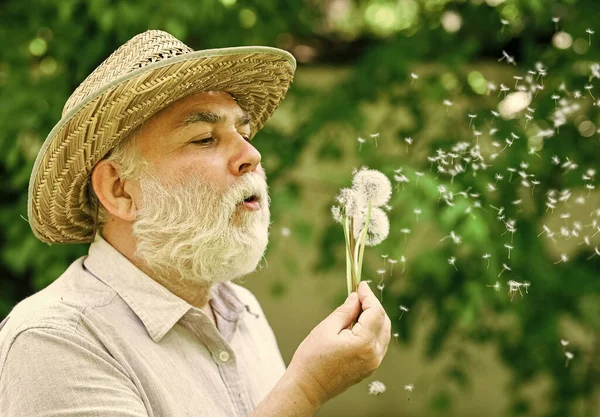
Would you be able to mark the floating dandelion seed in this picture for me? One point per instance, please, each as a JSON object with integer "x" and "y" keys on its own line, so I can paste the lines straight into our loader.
{"x": 556, "y": 20}
{"x": 452, "y": 261}
{"x": 504, "y": 24}
{"x": 576, "y": 94}
{"x": 285, "y": 231}
{"x": 403, "y": 310}
{"x": 569, "y": 356}
{"x": 496, "y": 286}
{"x": 409, "y": 388}
{"x": 447, "y": 104}
{"x": 564, "y": 342}
{"x": 403, "y": 262}
{"x": 381, "y": 286}
{"x": 503, "y": 89}
{"x": 596, "y": 253}
{"x": 487, "y": 256}
{"x": 374, "y": 136}
{"x": 471, "y": 117}
{"x": 590, "y": 32}
{"x": 492, "y": 87}
{"x": 504, "y": 268}
{"x": 563, "y": 258}
{"x": 509, "y": 249}
{"x": 392, "y": 263}
{"x": 360, "y": 142}
{"x": 408, "y": 141}
{"x": 517, "y": 78}
{"x": 495, "y": 114}
{"x": 417, "y": 213}
{"x": 405, "y": 231}
{"x": 413, "y": 77}
{"x": 419, "y": 175}
{"x": 396, "y": 336}
{"x": 376, "y": 388}
{"x": 509, "y": 59}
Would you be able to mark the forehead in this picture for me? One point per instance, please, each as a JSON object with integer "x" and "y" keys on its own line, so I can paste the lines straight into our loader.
{"x": 219, "y": 102}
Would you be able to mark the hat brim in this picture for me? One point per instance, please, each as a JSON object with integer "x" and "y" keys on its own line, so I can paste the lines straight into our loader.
{"x": 58, "y": 203}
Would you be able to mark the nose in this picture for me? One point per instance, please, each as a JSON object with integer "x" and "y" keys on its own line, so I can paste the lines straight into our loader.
{"x": 245, "y": 159}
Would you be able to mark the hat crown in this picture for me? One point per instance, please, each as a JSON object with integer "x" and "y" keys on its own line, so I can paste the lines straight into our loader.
{"x": 141, "y": 50}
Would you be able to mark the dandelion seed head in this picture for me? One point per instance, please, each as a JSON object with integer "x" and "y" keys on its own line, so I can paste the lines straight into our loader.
{"x": 336, "y": 214}
{"x": 370, "y": 184}
{"x": 379, "y": 226}
{"x": 409, "y": 387}
{"x": 347, "y": 200}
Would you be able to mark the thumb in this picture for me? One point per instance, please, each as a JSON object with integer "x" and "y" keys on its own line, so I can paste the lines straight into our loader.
{"x": 345, "y": 314}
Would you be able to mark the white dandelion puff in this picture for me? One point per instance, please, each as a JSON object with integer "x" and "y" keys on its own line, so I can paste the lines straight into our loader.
{"x": 379, "y": 226}
{"x": 370, "y": 184}
{"x": 376, "y": 388}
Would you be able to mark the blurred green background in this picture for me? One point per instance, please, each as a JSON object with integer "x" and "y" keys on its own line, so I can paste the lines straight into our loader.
{"x": 416, "y": 81}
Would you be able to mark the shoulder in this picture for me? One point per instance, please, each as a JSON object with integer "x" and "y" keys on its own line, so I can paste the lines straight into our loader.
{"x": 59, "y": 306}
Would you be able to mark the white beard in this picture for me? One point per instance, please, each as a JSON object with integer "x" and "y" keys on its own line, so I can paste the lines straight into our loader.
{"x": 194, "y": 232}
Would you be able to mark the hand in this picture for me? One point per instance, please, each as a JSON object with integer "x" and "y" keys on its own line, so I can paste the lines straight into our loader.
{"x": 334, "y": 357}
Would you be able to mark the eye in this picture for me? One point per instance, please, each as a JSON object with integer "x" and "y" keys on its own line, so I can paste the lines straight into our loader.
{"x": 204, "y": 141}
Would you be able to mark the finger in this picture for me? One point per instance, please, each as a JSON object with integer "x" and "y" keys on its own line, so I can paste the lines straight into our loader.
{"x": 373, "y": 315}
{"x": 345, "y": 314}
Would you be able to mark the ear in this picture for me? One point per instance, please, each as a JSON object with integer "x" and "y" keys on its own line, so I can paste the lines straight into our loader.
{"x": 115, "y": 194}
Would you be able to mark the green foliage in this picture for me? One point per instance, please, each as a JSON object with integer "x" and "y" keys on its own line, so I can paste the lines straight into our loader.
{"x": 50, "y": 46}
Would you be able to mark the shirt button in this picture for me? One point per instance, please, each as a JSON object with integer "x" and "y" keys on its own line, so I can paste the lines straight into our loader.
{"x": 223, "y": 356}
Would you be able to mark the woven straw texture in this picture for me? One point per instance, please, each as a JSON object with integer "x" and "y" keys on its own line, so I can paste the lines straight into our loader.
{"x": 146, "y": 74}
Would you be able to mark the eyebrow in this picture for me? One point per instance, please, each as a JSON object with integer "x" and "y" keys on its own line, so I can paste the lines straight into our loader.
{"x": 210, "y": 117}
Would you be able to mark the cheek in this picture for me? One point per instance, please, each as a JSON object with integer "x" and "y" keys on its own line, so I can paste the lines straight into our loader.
{"x": 210, "y": 169}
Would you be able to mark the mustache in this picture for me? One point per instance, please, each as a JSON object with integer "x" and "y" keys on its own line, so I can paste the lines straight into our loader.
{"x": 247, "y": 186}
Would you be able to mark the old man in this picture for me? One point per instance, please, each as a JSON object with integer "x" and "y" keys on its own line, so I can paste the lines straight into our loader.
{"x": 153, "y": 163}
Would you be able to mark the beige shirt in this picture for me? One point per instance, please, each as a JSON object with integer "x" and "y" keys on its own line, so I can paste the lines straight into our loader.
{"x": 107, "y": 340}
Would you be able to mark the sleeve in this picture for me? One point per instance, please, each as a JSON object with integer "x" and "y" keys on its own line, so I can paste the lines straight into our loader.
{"x": 52, "y": 372}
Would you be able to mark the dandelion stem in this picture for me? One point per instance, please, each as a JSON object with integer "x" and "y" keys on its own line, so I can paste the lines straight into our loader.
{"x": 350, "y": 273}
{"x": 361, "y": 245}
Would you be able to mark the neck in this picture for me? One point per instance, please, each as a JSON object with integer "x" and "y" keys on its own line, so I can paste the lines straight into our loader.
{"x": 119, "y": 234}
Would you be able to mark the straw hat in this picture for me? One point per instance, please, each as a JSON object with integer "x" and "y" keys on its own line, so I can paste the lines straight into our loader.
{"x": 146, "y": 74}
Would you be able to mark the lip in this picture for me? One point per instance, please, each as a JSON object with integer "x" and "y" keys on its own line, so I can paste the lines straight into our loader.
{"x": 253, "y": 205}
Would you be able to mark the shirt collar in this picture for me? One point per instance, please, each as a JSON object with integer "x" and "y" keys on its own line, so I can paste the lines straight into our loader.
{"x": 157, "y": 308}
